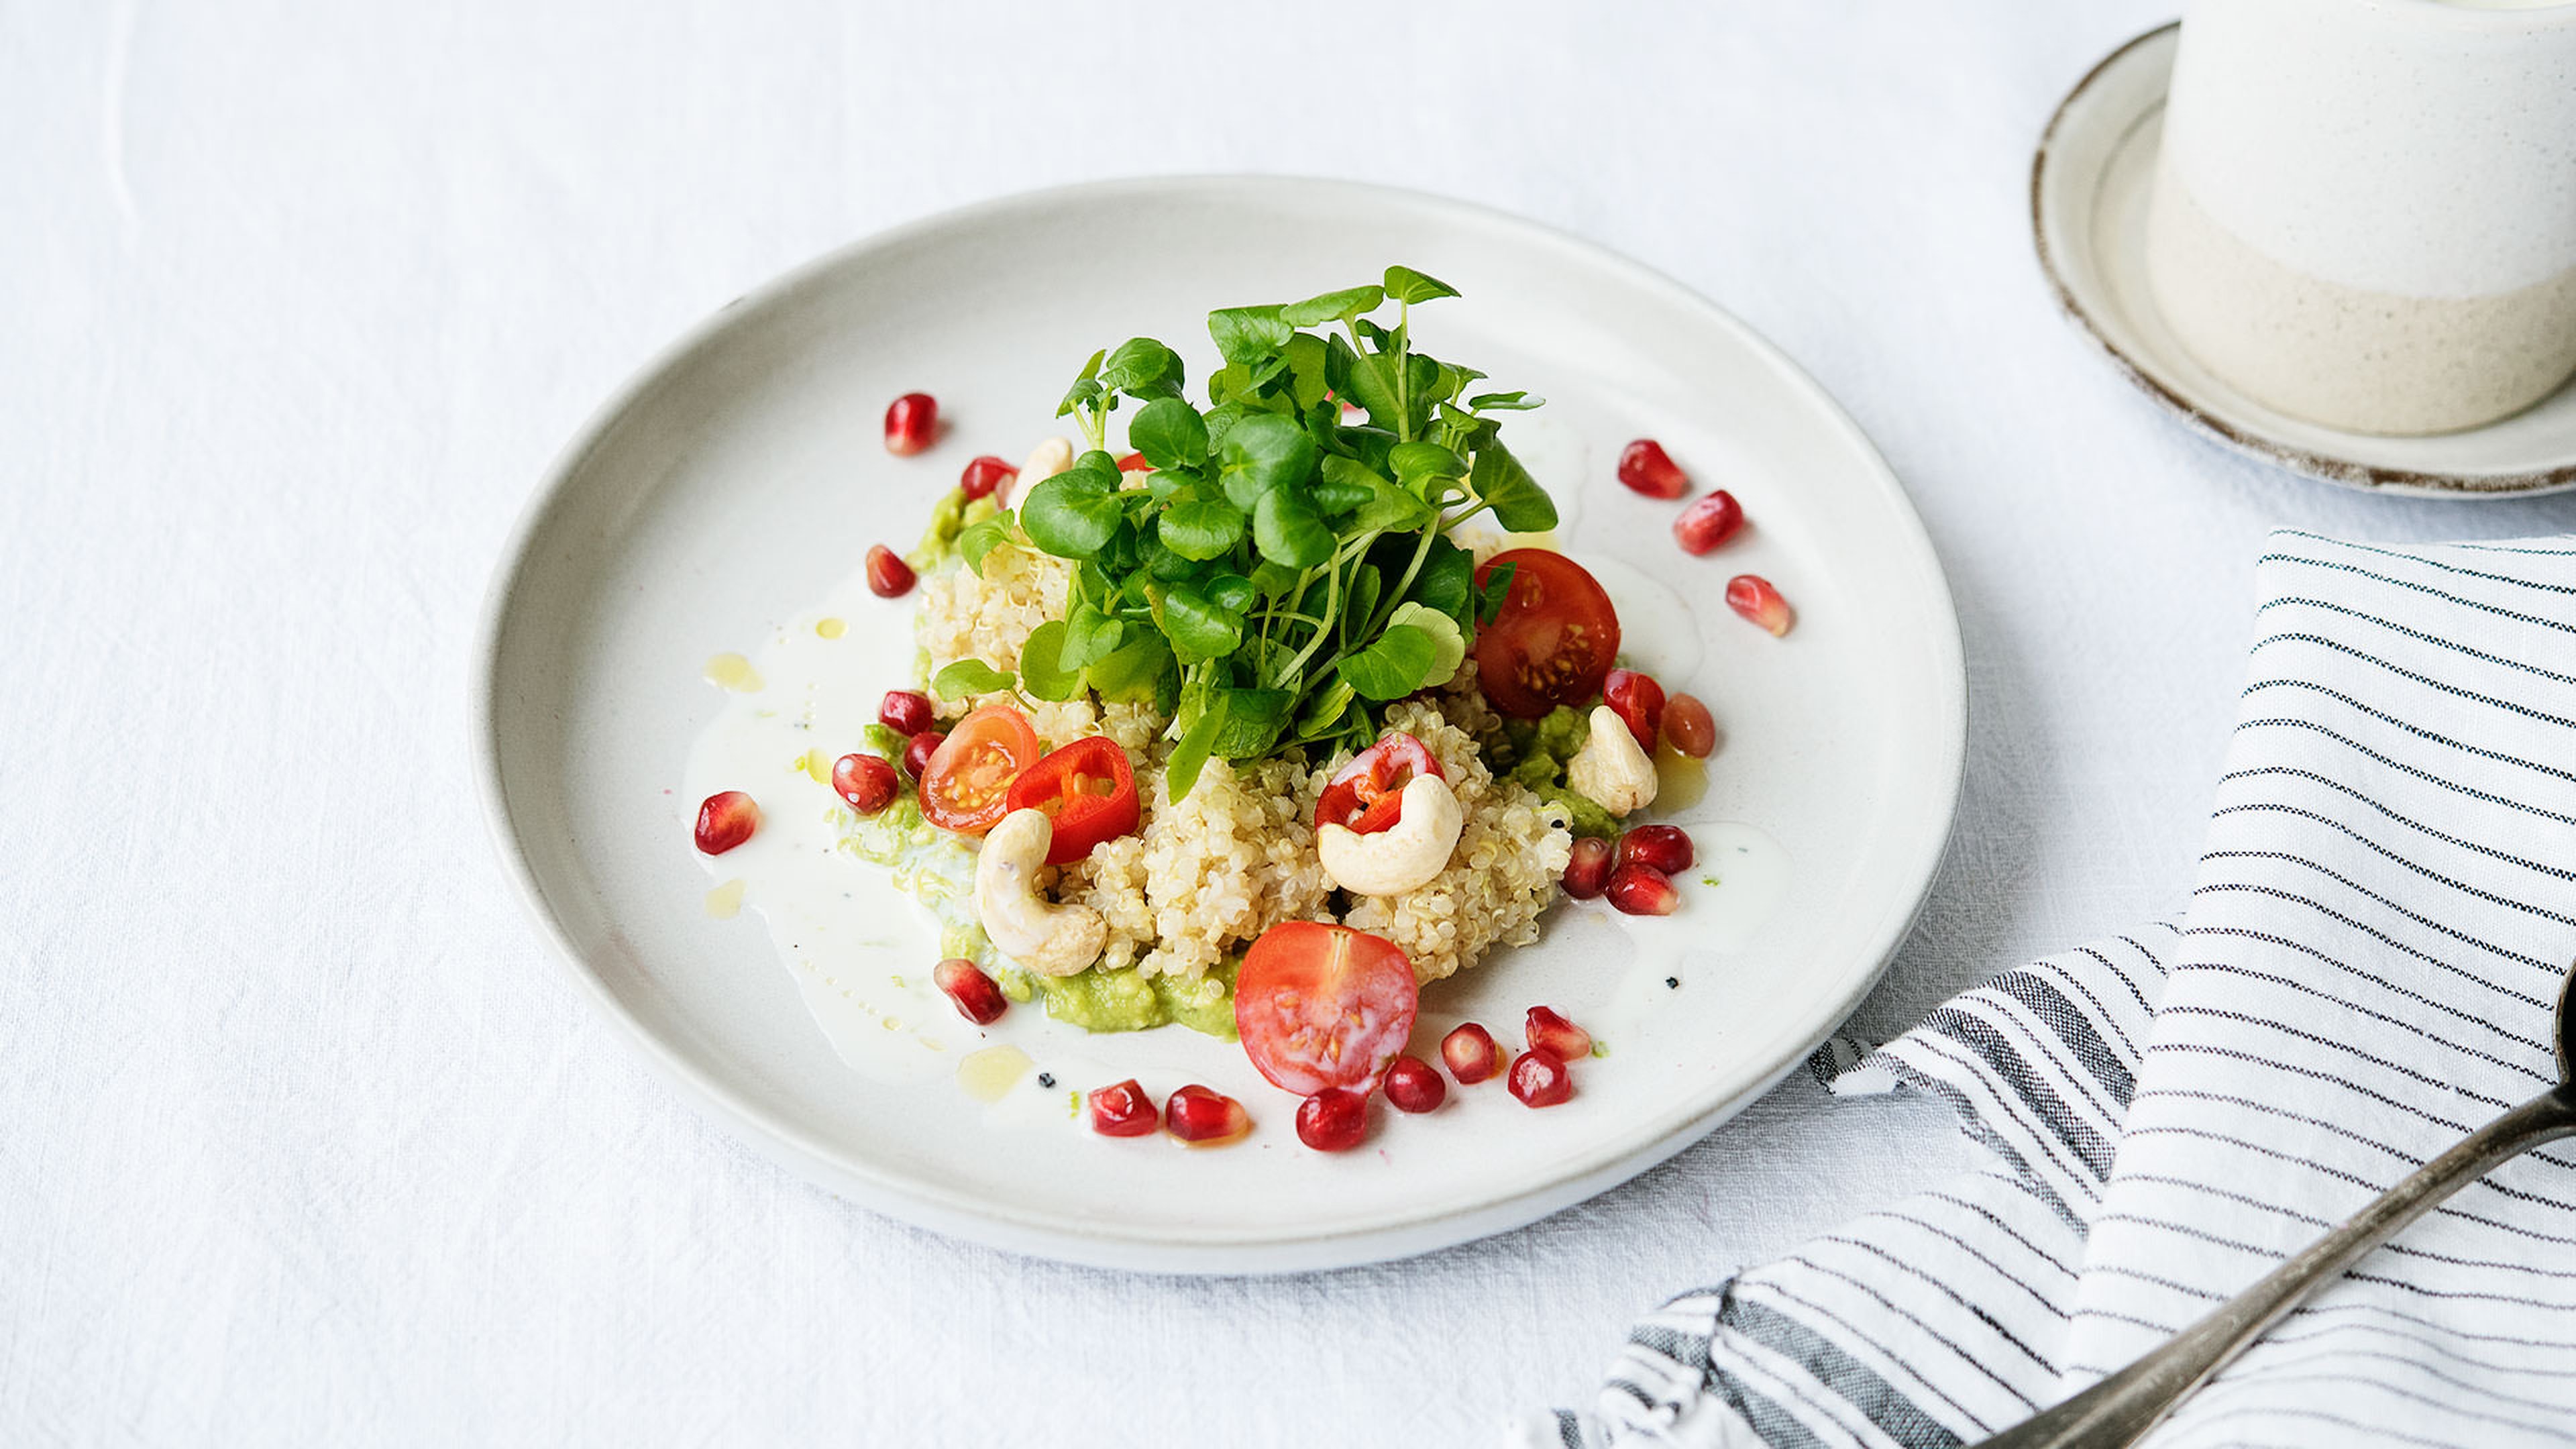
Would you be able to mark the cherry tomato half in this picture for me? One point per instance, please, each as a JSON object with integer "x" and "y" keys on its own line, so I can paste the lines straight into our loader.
{"x": 1366, "y": 795}
{"x": 965, "y": 785}
{"x": 1088, "y": 790}
{"x": 1323, "y": 1006}
{"x": 1554, "y": 640}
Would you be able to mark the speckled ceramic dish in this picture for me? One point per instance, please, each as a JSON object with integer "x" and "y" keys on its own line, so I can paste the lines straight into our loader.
{"x": 2089, "y": 190}
{"x": 736, "y": 481}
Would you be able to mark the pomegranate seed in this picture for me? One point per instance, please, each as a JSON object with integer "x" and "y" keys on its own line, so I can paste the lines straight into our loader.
{"x": 978, "y": 999}
{"x": 726, "y": 820}
{"x": 1665, "y": 847}
{"x": 1646, "y": 467}
{"x": 1122, "y": 1111}
{"x": 889, "y": 577}
{"x": 868, "y": 783}
{"x": 1202, "y": 1118}
{"x": 912, "y": 420}
{"x": 985, "y": 475}
{"x": 1688, "y": 724}
{"x": 1551, "y": 1033}
{"x": 1413, "y": 1085}
{"x": 1333, "y": 1120}
{"x": 1539, "y": 1078}
{"x": 1752, "y": 596}
{"x": 1709, "y": 522}
{"x": 1134, "y": 463}
{"x": 1639, "y": 700}
{"x": 1588, "y": 869}
{"x": 1638, "y": 889}
{"x": 905, "y": 711}
{"x": 1470, "y": 1053}
{"x": 916, "y": 755}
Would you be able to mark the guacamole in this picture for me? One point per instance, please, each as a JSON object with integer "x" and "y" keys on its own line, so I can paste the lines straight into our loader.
{"x": 1539, "y": 751}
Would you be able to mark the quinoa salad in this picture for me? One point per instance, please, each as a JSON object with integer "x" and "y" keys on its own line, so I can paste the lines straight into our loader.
{"x": 1267, "y": 718}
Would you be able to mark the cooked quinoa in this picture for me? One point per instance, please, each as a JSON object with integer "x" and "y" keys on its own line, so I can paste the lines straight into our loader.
{"x": 1201, "y": 879}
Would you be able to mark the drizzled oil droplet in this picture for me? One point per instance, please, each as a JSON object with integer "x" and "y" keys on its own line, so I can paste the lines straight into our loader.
{"x": 830, "y": 628}
{"x": 725, "y": 901}
{"x": 732, "y": 671}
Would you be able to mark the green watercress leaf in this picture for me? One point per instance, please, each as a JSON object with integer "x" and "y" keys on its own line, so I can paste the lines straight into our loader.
{"x": 1075, "y": 513}
{"x": 1395, "y": 664}
{"x": 1201, "y": 716}
{"x": 1143, "y": 369}
{"x": 1444, "y": 632}
{"x": 1247, "y": 334}
{"x": 1197, "y": 625}
{"x": 1233, "y": 592}
{"x": 1519, "y": 504}
{"x": 1261, "y": 452}
{"x": 1342, "y": 306}
{"x": 1253, "y": 721}
{"x": 1447, "y": 578}
{"x": 1086, "y": 390}
{"x": 1042, "y": 670}
{"x": 980, "y": 538}
{"x": 1286, "y": 530}
{"x": 1170, "y": 433}
{"x": 1505, "y": 402}
{"x": 1405, "y": 284}
{"x": 969, "y": 677}
{"x": 1202, "y": 528}
{"x": 1134, "y": 670}
{"x": 1493, "y": 591}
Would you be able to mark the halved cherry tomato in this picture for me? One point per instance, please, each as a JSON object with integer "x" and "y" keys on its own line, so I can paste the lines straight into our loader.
{"x": 1366, "y": 795}
{"x": 1554, "y": 640}
{"x": 966, "y": 783}
{"x": 1088, "y": 790}
{"x": 1323, "y": 1006}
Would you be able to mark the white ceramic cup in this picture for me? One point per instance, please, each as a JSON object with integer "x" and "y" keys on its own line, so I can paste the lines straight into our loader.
{"x": 2365, "y": 211}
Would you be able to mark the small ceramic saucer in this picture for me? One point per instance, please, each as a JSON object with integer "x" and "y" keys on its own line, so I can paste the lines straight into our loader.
{"x": 2088, "y": 202}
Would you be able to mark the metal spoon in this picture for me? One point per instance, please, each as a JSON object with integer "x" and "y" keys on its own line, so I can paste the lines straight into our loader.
{"x": 2122, "y": 1408}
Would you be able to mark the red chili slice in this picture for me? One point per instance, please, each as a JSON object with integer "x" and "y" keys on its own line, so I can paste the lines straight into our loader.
{"x": 1366, "y": 795}
{"x": 1087, "y": 788}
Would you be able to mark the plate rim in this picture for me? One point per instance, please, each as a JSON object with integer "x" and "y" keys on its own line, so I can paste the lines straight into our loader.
{"x": 2241, "y": 438}
{"x": 786, "y": 1144}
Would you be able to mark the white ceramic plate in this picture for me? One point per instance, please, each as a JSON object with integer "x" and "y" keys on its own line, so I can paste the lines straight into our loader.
{"x": 2089, "y": 187}
{"x": 737, "y": 479}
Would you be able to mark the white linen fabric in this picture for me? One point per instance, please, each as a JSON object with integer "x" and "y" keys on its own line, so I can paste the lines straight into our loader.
{"x": 2365, "y": 973}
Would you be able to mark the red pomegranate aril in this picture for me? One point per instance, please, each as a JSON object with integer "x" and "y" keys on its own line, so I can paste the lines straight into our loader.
{"x": 984, "y": 476}
{"x": 905, "y": 711}
{"x": 726, "y": 820}
{"x": 916, "y": 755}
{"x": 1665, "y": 847}
{"x": 1752, "y": 596}
{"x": 1548, "y": 1031}
{"x": 912, "y": 421}
{"x": 1134, "y": 463}
{"x": 1709, "y": 522}
{"x": 1122, "y": 1111}
{"x": 1470, "y": 1053}
{"x": 1638, "y": 889}
{"x": 979, "y": 999}
{"x": 868, "y": 783}
{"x": 889, "y": 577}
{"x": 1637, "y": 699}
{"x": 1689, "y": 725}
{"x": 1647, "y": 468}
{"x": 1202, "y": 1118}
{"x": 1539, "y": 1078}
{"x": 1414, "y": 1085}
{"x": 1333, "y": 1120}
{"x": 1587, "y": 870}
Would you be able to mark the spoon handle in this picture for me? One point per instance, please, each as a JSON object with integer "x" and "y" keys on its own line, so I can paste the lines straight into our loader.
{"x": 2122, "y": 1408}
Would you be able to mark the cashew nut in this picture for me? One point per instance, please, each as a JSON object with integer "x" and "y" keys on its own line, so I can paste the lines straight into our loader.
{"x": 1610, "y": 770}
{"x": 1404, "y": 855}
{"x": 1045, "y": 461}
{"x": 1050, "y": 939}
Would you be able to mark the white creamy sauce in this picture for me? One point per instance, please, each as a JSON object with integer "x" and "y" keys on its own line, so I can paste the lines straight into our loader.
{"x": 861, "y": 950}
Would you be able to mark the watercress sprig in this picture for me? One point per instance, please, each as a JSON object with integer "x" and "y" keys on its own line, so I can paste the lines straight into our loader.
{"x": 1281, "y": 572}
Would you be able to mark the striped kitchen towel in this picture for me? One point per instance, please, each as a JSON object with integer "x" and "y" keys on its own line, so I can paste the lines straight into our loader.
{"x": 2364, "y": 973}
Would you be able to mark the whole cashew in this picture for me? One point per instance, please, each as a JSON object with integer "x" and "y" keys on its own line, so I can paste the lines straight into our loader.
{"x": 1045, "y": 461}
{"x": 1404, "y": 855}
{"x": 1610, "y": 770}
{"x": 1047, "y": 938}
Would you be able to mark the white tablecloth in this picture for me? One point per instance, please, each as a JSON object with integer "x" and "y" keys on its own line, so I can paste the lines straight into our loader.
{"x": 303, "y": 1138}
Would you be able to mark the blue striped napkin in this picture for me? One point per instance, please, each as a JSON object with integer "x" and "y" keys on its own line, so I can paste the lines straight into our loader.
{"x": 2364, "y": 974}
